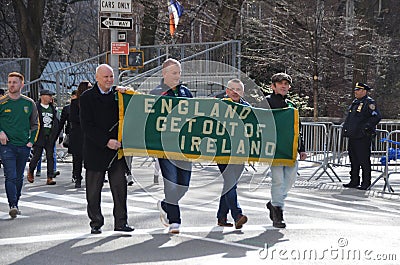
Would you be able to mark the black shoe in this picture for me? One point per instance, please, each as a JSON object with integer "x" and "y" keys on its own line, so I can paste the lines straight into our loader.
{"x": 124, "y": 228}
{"x": 95, "y": 230}
{"x": 78, "y": 184}
{"x": 363, "y": 187}
{"x": 350, "y": 185}
{"x": 278, "y": 222}
{"x": 271, "y": 210}
{"x": 56, "y": 173}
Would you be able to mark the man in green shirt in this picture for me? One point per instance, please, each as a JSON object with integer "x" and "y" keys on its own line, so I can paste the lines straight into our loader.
{"x": 18, "y": 128}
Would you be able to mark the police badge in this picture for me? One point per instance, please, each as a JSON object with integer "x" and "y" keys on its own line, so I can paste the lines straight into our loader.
{"x": 372, "y": 106}
{"x": 360, "y": 107}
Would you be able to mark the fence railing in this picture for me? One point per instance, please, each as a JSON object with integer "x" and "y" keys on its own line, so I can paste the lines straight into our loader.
{"x": 215, "y": 63}
{"x": 390, "y": 159}
{"x": 206, "y": 67}
{"x": 65, "y": 80}
{"x": 326, "y": 146}
{"x": 7, "y": 65}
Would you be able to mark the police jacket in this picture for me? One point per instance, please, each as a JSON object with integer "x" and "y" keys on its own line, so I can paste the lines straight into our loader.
{"x": 41, "y": 138}
{"x": 362, "y": 117}
{"x": 277, "y": 101}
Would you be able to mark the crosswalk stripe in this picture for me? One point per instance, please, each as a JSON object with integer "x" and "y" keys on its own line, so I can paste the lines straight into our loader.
{"x": 198, "y": 229}
{"x": 69, "y": 198}
{"x": 46, "y": 207}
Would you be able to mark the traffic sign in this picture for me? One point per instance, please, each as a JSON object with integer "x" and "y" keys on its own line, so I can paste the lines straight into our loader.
{"x": 116, "y": 6}
{"x": 121, "y": 36}
{"x": 120, "y": 48}
{"x": 116, "y": 23}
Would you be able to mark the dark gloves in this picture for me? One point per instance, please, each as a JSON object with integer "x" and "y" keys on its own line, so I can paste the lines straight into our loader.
{"x": 369, "y": 131}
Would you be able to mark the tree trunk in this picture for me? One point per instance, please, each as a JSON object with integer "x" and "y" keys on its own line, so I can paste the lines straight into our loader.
{"x": 29, "y": 22}
{"x": 150, "y": 22}
{"x": 229, "y": 13}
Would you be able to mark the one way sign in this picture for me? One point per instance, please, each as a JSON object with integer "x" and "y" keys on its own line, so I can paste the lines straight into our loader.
{"x": 116, "y": 23}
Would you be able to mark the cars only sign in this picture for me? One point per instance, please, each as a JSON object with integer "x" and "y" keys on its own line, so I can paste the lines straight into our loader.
{"x": 116, "y": 6}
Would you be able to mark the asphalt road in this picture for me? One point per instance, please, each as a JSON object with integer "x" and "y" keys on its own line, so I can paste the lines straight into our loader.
{"x": 326, "y": 224}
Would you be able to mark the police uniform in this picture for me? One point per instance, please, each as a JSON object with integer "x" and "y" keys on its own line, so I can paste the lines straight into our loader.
{"x": 359, "y": 126}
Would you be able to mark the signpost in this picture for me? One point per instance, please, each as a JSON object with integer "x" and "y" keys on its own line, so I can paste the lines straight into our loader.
{"x": 116, "y": 23}
{"x": 121, "y": 56}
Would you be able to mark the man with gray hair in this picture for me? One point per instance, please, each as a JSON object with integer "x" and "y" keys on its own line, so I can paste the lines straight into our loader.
{"x": 231, "y": 172}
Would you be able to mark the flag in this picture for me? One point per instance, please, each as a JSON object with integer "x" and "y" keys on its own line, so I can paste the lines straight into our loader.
{"x": 175, "y": 10}
{"x": 199, "y": 129}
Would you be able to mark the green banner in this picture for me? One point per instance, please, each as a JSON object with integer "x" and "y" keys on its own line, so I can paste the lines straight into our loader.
{"x": 206, "y": 129}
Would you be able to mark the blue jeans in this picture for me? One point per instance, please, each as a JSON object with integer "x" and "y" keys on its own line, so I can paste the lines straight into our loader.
{"x": 176, "y": 183}
{"x": 39, "y": 165}
{"x": 283, "y": 178}
{"x": 228, "y": 201}
{"x": 14, "y": 160}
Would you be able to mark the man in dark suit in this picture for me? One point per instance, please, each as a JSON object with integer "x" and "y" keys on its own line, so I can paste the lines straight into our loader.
{"x": 99, "y": 122}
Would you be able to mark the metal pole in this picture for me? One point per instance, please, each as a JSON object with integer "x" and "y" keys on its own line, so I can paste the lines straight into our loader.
{"x": 113, "y": 57}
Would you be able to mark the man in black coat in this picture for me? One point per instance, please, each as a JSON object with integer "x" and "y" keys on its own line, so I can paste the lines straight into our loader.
{"x": 99, "y": 122}
{"x": 47, "y": 136}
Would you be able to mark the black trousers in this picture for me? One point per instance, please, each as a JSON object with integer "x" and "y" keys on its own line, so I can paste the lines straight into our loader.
{"x": 37, "y": 154}
{"x": 360, "y": 153}
{"x": 77, "y": 160}
{"x": 94, "y": 184}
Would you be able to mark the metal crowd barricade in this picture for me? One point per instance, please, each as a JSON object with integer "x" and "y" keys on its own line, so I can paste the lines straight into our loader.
{"x": 339, "y": 149}
{"x": 326, "y": 146}
{"x": 316, "y": 138}
{"x": 389, "y": 160}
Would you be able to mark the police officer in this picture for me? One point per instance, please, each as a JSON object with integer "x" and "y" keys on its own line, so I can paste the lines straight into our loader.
{"x": 359, "y": 127}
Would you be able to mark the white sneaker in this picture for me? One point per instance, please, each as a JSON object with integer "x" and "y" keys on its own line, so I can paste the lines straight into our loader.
{"x": 163, "y": 215}
{"x": 174, "y": 228}
{"x": 130, "y": 180}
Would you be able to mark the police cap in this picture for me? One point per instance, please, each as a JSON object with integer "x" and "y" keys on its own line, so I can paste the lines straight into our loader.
{"x": 361, "y": 86}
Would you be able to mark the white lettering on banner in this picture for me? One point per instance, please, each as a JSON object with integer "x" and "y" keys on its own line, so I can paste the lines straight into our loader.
{"x": 148, "y": 105}
{"x": 166, "y": 107}
{"x": 175, "y": 124}
{"x": 239, "y": 149}
{"x": 190, "y": 124}
{"x": 183, "y": 110}
{"x": 211, "y": 146}
{"x": 210, "y": 128}
{"x": 196, "y": 110}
